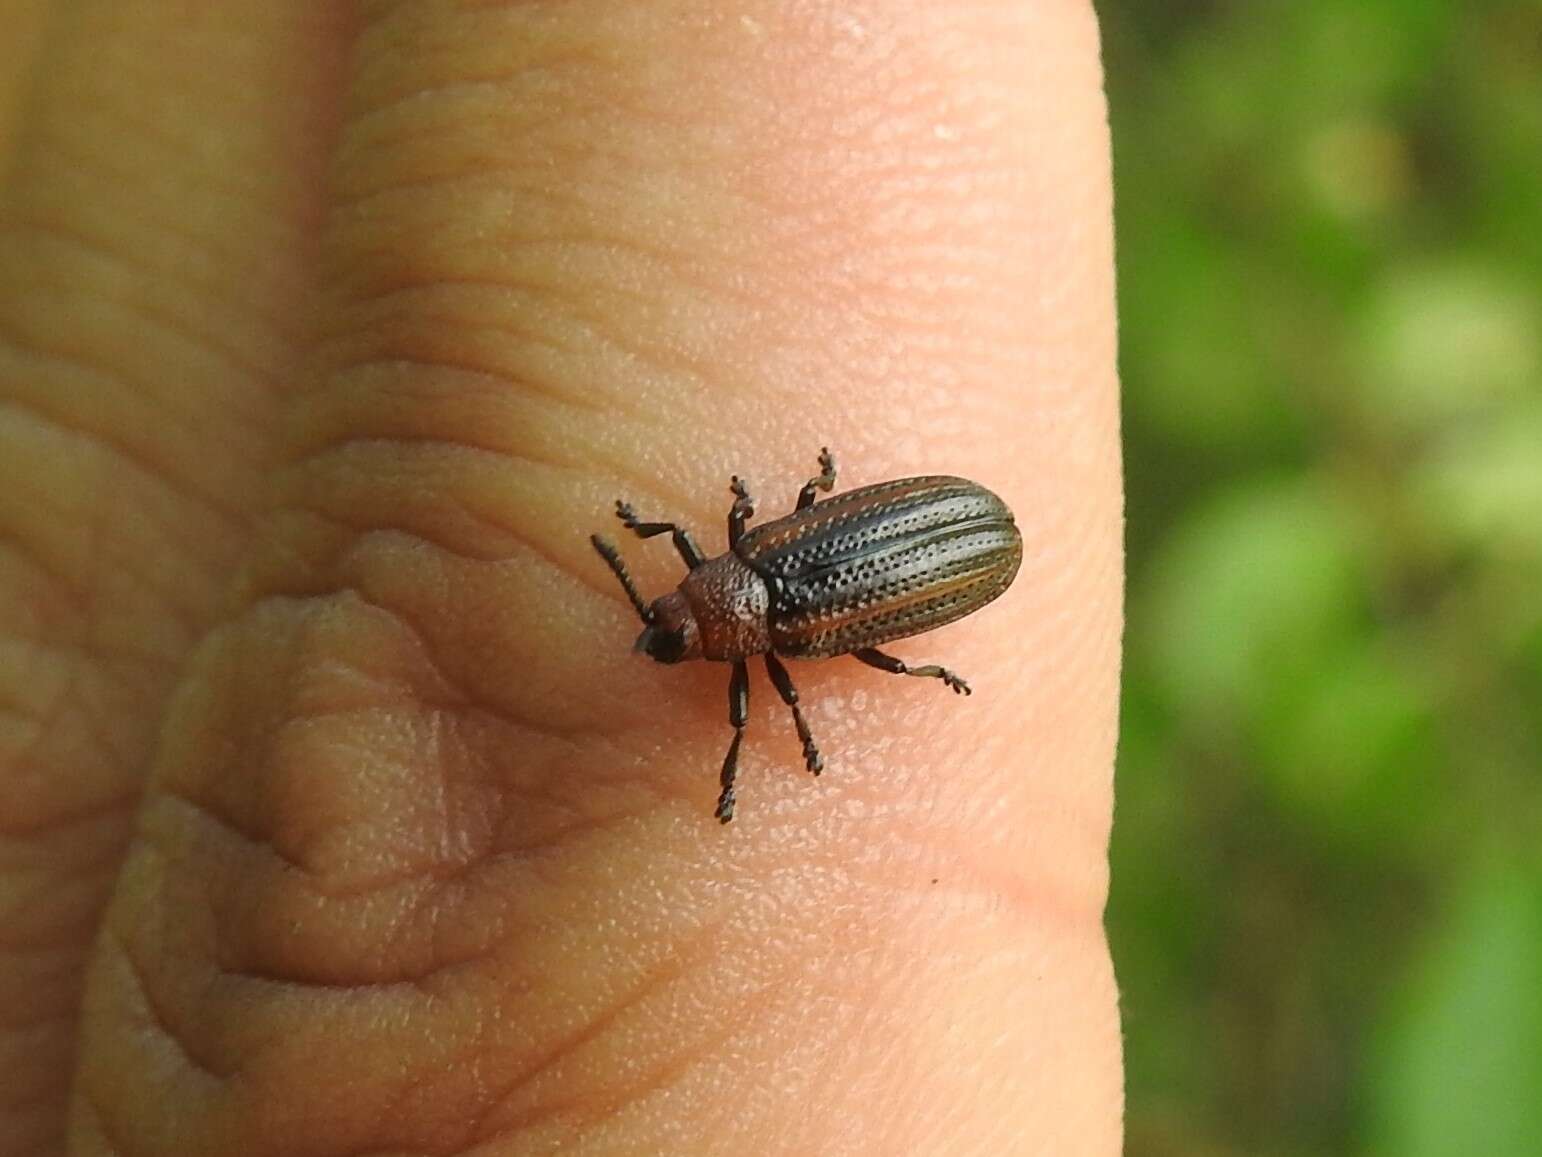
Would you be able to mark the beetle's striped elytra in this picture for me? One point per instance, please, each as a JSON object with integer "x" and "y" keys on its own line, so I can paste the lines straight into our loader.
{"x": 835, "y": 577}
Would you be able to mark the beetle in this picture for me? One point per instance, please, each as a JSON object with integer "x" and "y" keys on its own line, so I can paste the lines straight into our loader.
{"x": 835, "y": 577}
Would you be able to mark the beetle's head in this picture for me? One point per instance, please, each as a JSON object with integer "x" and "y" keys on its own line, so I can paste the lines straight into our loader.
{"x": 671, "y": 635}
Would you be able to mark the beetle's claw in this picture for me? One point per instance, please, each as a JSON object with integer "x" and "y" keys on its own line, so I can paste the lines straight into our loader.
{"x": 744, "y": 505}
{"x": 626, "y": 514}
{"x": 725, "y": 809}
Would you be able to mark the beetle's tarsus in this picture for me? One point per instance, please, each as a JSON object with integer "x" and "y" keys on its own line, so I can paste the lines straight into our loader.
{"x": 724, "y": 811}
{"x": 876, "y": 658}
{"x": 824, "y": 481}
{"x": 949, "y": 679}
{"x": 740, "y": 512}
{"x": 811, "y": 757}
{"x": 684, "y": 543}
{"x": 782, "y": 681}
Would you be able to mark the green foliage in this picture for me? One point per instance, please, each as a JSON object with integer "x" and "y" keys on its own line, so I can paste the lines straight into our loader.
{"x": 1462, "y": 1065}
{"x": 1330, "y": 247}
{"x": 1250, "y": 592}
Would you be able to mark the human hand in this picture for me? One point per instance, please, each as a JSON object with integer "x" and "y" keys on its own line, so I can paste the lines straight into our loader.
{"x": 325, "y": 342}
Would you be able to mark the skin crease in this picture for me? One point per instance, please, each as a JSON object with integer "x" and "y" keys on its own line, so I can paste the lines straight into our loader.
{"x": 369, "y": 324}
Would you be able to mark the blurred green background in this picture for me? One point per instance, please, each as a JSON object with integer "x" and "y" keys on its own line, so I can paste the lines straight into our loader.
{"x": 1327, "y": 897}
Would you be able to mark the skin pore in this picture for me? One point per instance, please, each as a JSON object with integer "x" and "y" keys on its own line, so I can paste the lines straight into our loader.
{"x": 336, "y": 816}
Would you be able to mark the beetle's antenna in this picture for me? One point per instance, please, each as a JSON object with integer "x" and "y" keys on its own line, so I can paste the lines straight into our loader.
{"x": 612, "y": 558}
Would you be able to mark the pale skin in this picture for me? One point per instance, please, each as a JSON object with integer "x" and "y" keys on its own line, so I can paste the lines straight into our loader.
{"x": 336, "y": 816}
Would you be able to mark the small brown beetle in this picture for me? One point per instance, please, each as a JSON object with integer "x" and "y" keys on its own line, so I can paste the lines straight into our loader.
{"x": 835, "y": 577}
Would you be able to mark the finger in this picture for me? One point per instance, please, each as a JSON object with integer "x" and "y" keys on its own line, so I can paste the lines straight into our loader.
{"x": 154, "y": 234}
{"x": 423, "y": 831}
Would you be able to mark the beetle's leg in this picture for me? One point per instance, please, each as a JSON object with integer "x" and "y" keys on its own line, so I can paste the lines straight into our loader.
{"x": 742, "y": 509}
{"x": 825, "y": 481}
{"x": 738, "y": 715}
{"x": 613, "y": 558}
{"x": 876, "y": 658}
{"x": 684, "y": 543}
{"x": 789, "y": 694}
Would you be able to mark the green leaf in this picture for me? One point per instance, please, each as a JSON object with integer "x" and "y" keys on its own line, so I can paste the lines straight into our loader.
{"x": 1481, "y": 487}
{"x": 1355, "y": 753}
{"x": 1446, "y": 340}
{"x": 1461, "y": 1073}
{"x": 1250, "y": 596}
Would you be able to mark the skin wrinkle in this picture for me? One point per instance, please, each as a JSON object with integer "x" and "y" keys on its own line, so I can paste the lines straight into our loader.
{"x": 691, "y": 956}
{"x": 610, "y": 285}
{"x": 528, "y": 78}
{"x": 100, "y": 693}
{"x": 169, "y": 579}
{"x": 89, "y": 1123}
{"x": 176, "y": 1035}
{"x": 81, "y": 594}
{"x": 343, "y": 362}
{"x": 65, "y": 649}
{"x": 426, "y": 522}
{"x": 47, "y": 350}
{"x": 248, "y": 330}
{"x": 675, "y": 260}
{"x": 59, "y": 967}
{"x": 518, "y": 541}
{"x": 163, "y": 244}
{"x": 255, "y": 990}
{"x": 35, "y": 818}
{"x": 573, "y": 1119}
{"x": 138, "y": 458}
{"x": 627, "y": 1092}
{"x": 373, "y": 402}
{"x": 81, "y": 159}
{"x": 317, "y": 457}
{"x": 973, "y": 884}
{"x": 197, "y": 342}
{"x": 224, "y": 819}
{"x": 460, "y": 702}
{"x": 58, "y": 823}
{"x": 62, "y": 598}
{"x": 55, "y": 915}
{"x": 436, "y": 880}
{"x": 425, "y": 981}
{"x": 458, "y": 696}
{"x": 366, "y": 364}
{"x": 367, "y": 533}
{"x": 431, "y": 113}
{"x": 62, "y": 588}
{"x": 77, "y": 167}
